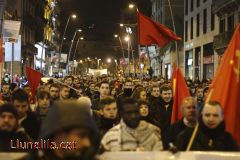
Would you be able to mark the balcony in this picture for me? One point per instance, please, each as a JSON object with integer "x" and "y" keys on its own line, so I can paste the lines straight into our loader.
{"x": 220, "y": 7}
{"x": 221, "y": 41}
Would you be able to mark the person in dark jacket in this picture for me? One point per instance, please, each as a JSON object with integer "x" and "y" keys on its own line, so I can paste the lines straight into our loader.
{"x": 43, "y": 103}
{"x": 104, "y": 90}
{"x": 109, "y": 116}
{"x": 189, "y": 120}
{"x": 10, "y": 131}
{"x": 75, "y": 126}
{"x": 161, "y": 109}
{"x": 210, "y": 133}
{"x": 27, "y": 119}
{"x": 127, "y": 92}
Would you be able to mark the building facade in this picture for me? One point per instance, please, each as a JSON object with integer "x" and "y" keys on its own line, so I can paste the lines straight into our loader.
{"x": 206, "y": 35}
{"x": 165, "y": 57}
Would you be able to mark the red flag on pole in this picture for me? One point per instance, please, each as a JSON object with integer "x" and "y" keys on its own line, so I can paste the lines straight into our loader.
{"x": 180, "y": 91}
{"x": 34, "y": 78}
{"x": 225, "y": 87}
{"x": 151, "y": 32}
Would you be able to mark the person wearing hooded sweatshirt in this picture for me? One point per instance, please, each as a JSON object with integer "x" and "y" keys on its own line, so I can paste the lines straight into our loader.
{"x": 68, "y": 121}
{"x": 10, "y": 131}
{"x": 210, "y": 133}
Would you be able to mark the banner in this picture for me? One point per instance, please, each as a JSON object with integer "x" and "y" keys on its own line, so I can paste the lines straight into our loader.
{"x": 16, "y": 50}
{"x": 11, "y": 30}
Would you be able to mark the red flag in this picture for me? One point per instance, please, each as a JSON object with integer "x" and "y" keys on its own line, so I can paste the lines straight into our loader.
{"x": 225, "y": 87}
{"x": 151, "y": 32}
{"x": 34, "y": 78}
{"x": 180, "y": 91}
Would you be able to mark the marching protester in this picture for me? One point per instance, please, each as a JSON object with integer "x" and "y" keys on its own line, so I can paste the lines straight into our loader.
{"x": 210, "y": 134}
{"x": 132, "y": 134}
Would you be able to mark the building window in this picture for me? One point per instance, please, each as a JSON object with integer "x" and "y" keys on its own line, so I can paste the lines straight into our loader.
{"x": 212, "y": 20}
{"x": 186, "y": 31}
{"x": 191, "y": 34}
{"x": 198, "y": 25}
{"x": 191, "y": 9}
{"x": 205, "y": 21}
{"x": 186, "y": 7}
{"x": 230, "y": 22}
{"x": 198, "y": 3}
{"x": 222, "y": 25}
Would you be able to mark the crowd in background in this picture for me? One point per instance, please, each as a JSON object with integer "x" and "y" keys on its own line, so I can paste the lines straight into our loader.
{"x": 110, "y": 114}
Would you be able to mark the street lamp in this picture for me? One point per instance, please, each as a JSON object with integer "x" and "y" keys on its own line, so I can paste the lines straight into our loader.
{"x": 127, "y": 39}
{"x": 73, "y": 16}
{"x": 109, "y": 60}
{"x": 98, "y": 62}
{"x": 132, "y": 5}
{"x": 116, "y": 36}
{"x": 121, "y": 25}
{"x": 80, "y": 38}
{"x": 70, "y": 50}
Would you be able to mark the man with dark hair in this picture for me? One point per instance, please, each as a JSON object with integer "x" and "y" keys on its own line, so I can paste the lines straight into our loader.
{"x": 127, "y": 91}
{"x": 54, "y": 91}
{"x": 64, "y": 92}
{"x": 69, "y": 125}
{"x": 210, "y": 133}
{"x": 68, "y": 80}
{"x": 199, "y": 98}
{"x": 104, "y": 90}
{"x": 9, "y": 129}
{"x": 43, "y": 103}
{"x": 161, "y": 110}
{"x": 27, "y": 119}
{"x": 108, "y": 107}
{"x": 132, "y": 134}
{"x": 6, "y": 93}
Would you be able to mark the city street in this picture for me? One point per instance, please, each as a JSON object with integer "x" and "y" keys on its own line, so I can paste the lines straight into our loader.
{"x": 119, "y": 79}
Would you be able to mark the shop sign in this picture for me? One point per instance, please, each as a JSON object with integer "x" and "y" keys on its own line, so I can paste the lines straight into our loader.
{"x": 208, "y": 59}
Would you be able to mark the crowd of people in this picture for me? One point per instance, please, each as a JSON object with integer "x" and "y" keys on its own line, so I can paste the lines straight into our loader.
{"x": 109, "y": 114}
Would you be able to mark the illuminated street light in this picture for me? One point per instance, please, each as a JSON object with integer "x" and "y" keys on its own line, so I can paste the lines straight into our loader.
{"x": 116, "y": 36}
{"x": 73, "y": 16}
{"x": 121, "y": 25}
{"x": 70, "y": 50}
{"x": 82, "y": 38}
{"x": 127, "y": 38}
{"x": 109, "y": 60}
{"x": 88, "y": 58}
{"x": 64, "y": 38}
{"x": 131, "y": 6}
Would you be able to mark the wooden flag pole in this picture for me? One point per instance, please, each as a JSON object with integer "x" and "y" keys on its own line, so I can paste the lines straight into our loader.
{"x": 192, "y": 137}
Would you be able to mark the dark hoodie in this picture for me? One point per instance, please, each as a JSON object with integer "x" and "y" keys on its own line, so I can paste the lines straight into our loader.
{"x": 67, "y": 115}
{"x": 206, "y": 139}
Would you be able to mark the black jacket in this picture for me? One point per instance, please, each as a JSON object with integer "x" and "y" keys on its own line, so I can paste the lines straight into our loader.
{"x": 31, "y": 125}
{"x": 106, "y": 124}
{"x": 161, "y": 115}
{"x": 172, "y": 133}
{"x": 6, "y": 138}
{"x": 207, "y": 139}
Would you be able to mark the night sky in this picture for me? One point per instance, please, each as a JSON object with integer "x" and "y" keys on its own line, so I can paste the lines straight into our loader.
{"x": 99, "y": 19}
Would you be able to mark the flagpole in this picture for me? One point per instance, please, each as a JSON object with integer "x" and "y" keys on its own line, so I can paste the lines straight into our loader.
{"x": 174, "y": 29}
